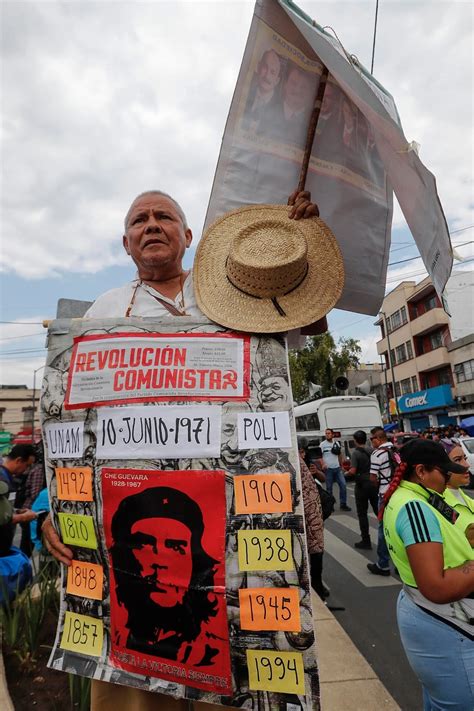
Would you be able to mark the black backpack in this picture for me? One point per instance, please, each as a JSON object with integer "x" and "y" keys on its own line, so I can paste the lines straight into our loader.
{"x": 328, "y": 501}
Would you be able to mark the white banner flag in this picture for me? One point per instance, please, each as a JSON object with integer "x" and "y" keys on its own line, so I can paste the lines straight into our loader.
{"x": 359, "y": 151}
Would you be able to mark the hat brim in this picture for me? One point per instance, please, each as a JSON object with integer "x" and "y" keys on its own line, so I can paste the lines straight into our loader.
{"x": 454, "y": 468}
{"x": 223, "y": 303}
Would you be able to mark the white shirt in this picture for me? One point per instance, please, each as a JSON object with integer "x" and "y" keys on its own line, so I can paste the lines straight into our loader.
{"x": 261, "y": 100}
{"x": 380, "y": 466}
{"x": 116, "y": 301}
{"x": 330, "y": 460}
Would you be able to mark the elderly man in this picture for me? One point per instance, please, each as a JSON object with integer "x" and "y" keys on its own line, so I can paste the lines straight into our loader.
{"x": 156, "y": 237}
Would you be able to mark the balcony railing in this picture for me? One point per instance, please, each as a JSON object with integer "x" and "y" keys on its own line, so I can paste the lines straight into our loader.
{"x": 429, "y": 321}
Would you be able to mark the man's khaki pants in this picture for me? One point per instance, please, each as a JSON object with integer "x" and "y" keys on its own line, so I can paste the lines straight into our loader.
{"x": 114, "y": 697}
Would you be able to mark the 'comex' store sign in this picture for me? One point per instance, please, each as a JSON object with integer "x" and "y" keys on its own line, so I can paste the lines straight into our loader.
{"x": 426, "y": 399}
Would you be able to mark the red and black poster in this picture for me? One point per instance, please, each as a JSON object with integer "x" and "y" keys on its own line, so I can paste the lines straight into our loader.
{"x": 165, "y": 534}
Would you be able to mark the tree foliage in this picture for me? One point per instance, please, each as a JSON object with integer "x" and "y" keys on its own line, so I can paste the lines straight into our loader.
{"x": 321, "y": 361}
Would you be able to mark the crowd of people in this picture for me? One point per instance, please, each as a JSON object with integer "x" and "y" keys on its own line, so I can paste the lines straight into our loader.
{"x": 438, "y": 434}
{"x": 426, "y": 529}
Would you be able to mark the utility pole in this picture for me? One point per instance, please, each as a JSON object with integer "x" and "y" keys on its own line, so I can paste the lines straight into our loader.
{"x": 33, "y": 404}
{"x": 392, "y": 373}
{"x": 387, "y": 396}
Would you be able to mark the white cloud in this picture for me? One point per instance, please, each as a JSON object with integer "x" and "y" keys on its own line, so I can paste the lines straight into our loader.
{"x": 23, "y": 348}
{"x": 102, "y": 100}
{"x": 369, "y": 348}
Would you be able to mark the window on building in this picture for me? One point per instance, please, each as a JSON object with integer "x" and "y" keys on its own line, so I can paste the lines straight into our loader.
{"x": 406, "y": 386}
{"x": 431, "y": 303}
{"x": 436, "y": 339}
{"x": 419, "y": 346}
{"x": 403, "y": 314}
{"x": 397, "y": 390}
{"x": 409, "y": 349}
{"x": 392, "y": 358}
{"x": 400, "y": 353}
{"x": 414, "y": 384}
{"x": 27, "y": 416}
{"x": 395, "y": 321}
{"x": 464, "y": 371}
{"x": 444, "y": 377}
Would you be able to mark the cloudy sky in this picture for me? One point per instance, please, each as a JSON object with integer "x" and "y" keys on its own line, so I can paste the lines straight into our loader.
{"x": 101, "y": 100}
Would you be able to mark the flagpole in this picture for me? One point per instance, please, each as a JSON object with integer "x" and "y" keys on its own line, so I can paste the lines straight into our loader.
{"x": 313, "y": 122}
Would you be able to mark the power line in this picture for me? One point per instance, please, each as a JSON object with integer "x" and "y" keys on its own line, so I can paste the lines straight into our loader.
{"x": 461, "y": 229}
{"x": 27, "y": 335}
{"x": 352, "y": 323}
{"x": 413, "y": 244}
{"x": 375, "y": 35}
{"x": 423, "y": 271}
{"x": 410, "y": 259}
{"x": 24, "y": 323}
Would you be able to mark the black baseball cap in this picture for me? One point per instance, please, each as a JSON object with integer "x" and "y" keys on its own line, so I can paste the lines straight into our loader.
{"x": 431, "y": 454}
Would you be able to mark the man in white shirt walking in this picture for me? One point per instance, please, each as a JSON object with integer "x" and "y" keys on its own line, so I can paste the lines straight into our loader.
{"x": 382, "y": 466}
{"x": 332, "y": 466}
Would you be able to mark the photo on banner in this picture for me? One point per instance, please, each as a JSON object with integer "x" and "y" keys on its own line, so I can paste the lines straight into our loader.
{"x": 166, "y": 539}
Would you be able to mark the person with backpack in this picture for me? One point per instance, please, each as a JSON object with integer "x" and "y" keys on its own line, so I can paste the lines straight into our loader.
{"x": 383, "y": 462}
{"x": 365, "y": 490}
{"x": 332, "y": 466}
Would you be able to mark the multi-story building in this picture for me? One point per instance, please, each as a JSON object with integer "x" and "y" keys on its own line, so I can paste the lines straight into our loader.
{"x": 368, "y": 379}
{"x": 18, "y": 407}
{"x": 426, "y": 371}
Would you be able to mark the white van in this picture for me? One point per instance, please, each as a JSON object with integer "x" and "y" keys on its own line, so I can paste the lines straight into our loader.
{"x": 344, "y": 414}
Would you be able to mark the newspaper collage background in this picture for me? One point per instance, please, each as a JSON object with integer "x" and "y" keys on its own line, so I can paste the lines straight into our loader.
{"x": 253, "y": 644}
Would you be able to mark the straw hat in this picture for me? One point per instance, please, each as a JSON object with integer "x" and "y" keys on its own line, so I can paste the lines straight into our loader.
{"x": 256, "y": 270}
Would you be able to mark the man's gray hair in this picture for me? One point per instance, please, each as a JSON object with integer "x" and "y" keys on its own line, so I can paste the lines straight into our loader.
{"x": 178, "y": 207}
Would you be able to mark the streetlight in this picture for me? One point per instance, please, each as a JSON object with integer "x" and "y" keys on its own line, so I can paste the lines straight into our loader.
{"x": 387, "y": 398}
{"x": 391, "y": 368}
{"x": 33, "y": 409}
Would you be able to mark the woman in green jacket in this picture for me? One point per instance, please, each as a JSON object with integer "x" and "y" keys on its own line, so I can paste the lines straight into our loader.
{"x": 455, "y": 496}
{"x": 435, "y": 609}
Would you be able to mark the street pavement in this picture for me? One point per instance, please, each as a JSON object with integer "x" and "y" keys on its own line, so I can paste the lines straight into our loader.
{"x": 369, "y": 617}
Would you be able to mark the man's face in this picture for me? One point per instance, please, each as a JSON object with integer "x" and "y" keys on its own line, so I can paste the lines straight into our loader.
{"x": 297, "y": 92}
{"x": 328, "y": 435}
{"x": 268, "y": 72}
{"x": 230, "y": 453}
{"x": 155, "y": 235}
{"x": 21, "y": 465}
{"x": 375, "y": 441}
{"x": 274, "y": 394}
{"x": 162, "y": 547}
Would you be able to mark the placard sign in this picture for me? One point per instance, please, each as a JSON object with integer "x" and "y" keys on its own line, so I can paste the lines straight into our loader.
{"x": 158, "y": 431}
{"x": 264, "y": 430}
{"x": 111, "y": 369}
{"x": 179, "y": 494}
